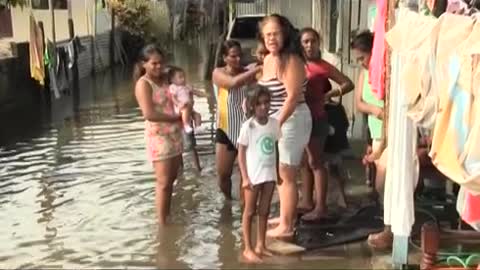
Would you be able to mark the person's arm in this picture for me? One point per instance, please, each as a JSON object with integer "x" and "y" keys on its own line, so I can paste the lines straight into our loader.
{"x": 242, "y": 154}
{"x": 242, "y": 163}
{"x": 345, "y": 84}
{"x": 199, "y": 93}
{"x": 222, "y": 79}
{"x": 293, "y": 79}
{"x": 363, "y": 106}
{"x": 143, "y": 93}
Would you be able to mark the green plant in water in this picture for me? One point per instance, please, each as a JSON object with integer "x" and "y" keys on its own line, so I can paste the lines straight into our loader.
{"x": 133, "y": 17}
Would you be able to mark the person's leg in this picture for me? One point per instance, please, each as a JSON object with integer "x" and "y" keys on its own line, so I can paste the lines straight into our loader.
{"x": 384, "y": 239}
{"x": 266, "y": 193}
{"x": 197, "y": 119}
{"x": 314, "y": 152}
{"x": 165, "y": 172}
{"x": 225, "y": 159}
{"x": 250, "y": 195}
{"x": 306, "y": 200}
{"x": 187, "y": 118}
{"x": 296, "y": 133}
{"x": 287, "y": 191}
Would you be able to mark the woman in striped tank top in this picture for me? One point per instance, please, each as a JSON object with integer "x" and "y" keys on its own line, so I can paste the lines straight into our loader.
{"x": 231, "y": 82}
{"x": 284, "y": 75}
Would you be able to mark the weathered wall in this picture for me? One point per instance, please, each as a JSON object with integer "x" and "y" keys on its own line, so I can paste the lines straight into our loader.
{"x": 83, "y": 16}
{"x": 15, "y": 81}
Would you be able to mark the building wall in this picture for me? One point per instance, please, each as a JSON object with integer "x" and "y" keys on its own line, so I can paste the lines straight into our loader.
{"x": 246, "y": 8}
{"x": 83, "y": 13}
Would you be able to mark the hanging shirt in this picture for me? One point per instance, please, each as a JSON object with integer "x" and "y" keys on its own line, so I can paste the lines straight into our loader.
{"x": 377, "y": 61}
{"x": 318, "y": 85}
{"x": 416, "y": 39}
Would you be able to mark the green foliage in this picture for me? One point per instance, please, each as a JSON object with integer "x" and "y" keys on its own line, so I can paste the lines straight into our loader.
{"x": 13, "y": 3}
{"x": 133, "y": 17}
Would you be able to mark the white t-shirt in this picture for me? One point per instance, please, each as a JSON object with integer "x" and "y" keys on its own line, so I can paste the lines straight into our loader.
{"x": 261, "y": 152}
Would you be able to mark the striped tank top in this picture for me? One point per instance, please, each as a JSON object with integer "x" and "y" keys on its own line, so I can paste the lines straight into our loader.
{"x": 230, "y": 115}
{"x": 278, "y": 93}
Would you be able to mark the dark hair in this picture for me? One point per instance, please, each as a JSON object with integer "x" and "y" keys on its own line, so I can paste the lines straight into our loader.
{"x": 310, "y": 30}
{"x": 363, "y": 42}
{"x": 172, "y": 71}
{"x": 145, "y": 53}
{"x": 253, "y": 98}
{"x": 291, "y": 41}
{"x": 228, "y": 44}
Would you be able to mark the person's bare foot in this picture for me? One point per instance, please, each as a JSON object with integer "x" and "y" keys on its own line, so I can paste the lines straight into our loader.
{"x": 280, "y": 232}
{"x": 273, "y": 221}
{"x": 304, "y": 207}
{"x": 251, "y": 257}
{"x": 314, "y": 215}
{"x": 381, "y": 241}
{"x": 263, "y": 251}
{"x": 342, "y": 202}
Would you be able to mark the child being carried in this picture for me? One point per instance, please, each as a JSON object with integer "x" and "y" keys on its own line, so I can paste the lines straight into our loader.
{"x": 183, "y": 98}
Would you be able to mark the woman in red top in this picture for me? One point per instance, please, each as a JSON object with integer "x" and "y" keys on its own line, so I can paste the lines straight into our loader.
{"x": 319, "y": 91}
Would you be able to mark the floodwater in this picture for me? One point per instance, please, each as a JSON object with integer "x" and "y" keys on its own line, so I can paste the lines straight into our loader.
{"x": 76, "y": 190}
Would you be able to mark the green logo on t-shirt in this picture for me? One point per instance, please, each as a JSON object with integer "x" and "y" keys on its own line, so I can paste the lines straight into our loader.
{"x": 267, "y": 145}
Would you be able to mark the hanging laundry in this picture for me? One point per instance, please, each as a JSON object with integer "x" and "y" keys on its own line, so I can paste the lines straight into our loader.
{"x": 51, "y": 63}
{"x": 454, "y": 124}
{"x": 61, "y": 70}
{"x": 377, "y": 61}
{"x": 71, "y": 53}
{"x": 415, "y": 38}
{"x": 468, "y": 207}
{"x": 402, "y": 160}
{"x": 37, "y": 69}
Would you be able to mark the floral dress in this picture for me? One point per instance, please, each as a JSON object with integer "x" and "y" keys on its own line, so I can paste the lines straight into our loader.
{"x": 164, "y": 139}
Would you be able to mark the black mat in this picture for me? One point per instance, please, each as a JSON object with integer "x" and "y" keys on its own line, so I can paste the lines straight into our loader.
{"x": 344, "y": 228}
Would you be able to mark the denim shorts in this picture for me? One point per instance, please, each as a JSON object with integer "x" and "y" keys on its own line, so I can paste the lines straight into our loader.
{"x": 295, "y": 135}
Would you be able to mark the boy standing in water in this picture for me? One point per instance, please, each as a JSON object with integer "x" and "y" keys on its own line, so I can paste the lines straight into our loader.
{"x": 257, "y": 161}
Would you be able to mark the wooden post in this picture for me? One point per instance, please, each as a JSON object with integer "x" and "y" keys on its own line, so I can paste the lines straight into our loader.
{"x": 76, "y": 79}
{"x": 112, "y": 37}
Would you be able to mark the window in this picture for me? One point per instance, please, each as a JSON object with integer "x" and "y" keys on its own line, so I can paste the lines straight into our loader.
{"x": 245, "y": 27}
{"x": 43, "y": 4}
{"x": 5, "y": 23}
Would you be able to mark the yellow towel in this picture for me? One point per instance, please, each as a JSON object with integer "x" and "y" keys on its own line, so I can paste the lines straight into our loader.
{"x": 37, "y": 70}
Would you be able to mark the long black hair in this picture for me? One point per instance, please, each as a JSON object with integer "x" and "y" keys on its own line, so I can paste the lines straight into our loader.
{"x": 254, "y": 97}
{"x": 363, "y": 42}
{"x": 291, "y": 38}
{"x": 144, "y": 56}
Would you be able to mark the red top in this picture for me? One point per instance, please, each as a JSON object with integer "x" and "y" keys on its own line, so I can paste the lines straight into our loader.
{"x": 318, "y": 73}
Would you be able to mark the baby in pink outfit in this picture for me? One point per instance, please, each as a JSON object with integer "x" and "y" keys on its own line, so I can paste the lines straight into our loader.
{"x": 183, "y": 98}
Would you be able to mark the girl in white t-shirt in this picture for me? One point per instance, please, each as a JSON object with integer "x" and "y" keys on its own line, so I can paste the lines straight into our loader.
{"x": 257, "y": 160}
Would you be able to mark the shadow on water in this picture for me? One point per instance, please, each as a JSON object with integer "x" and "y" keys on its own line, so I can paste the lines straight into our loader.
{"x": 76, "y": 190}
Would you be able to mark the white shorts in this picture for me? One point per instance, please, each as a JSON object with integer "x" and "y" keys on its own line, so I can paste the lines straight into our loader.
{"x": 295, "y": 136}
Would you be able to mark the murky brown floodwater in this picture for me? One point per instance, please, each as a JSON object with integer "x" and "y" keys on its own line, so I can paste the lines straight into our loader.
{"x": 76, "y": 190}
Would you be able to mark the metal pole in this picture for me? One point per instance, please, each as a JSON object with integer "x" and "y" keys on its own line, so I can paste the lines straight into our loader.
{"x": 52, "y": 14}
